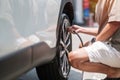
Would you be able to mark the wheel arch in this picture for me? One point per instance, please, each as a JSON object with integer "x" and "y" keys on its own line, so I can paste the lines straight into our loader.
{"x": 68, "y": 9}
{"x": 74, "y": 10}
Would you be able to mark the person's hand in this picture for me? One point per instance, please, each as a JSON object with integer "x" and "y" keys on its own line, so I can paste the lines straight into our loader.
{"x": 85, "y": 44}
{"x": 75, "y": 28}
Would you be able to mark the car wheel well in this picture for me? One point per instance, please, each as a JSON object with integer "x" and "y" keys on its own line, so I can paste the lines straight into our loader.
{"x": 68, "y": 9}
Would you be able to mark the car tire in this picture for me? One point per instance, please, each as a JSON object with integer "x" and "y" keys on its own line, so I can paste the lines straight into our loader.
{"x": 59, "y": 67}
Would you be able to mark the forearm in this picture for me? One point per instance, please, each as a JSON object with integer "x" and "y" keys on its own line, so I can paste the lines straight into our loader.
{"x": 90, "y": 31}
{"x": 107, "y": 31}
{"x": 79, "y": 29}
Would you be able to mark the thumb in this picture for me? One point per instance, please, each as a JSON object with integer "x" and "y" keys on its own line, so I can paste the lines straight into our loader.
{"x": 77, "y": 31}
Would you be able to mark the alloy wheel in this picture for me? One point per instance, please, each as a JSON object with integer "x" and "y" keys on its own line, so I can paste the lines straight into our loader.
{"x": 64, "y": 47}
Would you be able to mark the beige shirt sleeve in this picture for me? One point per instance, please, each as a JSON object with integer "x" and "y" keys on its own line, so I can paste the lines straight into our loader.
{"x": 114, "y": 14}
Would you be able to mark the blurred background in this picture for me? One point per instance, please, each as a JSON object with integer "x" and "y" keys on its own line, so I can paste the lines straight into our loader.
{"x": 89, "y": 12}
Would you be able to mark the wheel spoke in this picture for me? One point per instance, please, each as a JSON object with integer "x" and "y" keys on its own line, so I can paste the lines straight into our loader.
{"x": 63, "y": 31}
{"x": 62, "y": 43}
{"x": 67, "y": 37}
{"x": 65, "y": 65}
{"x": 68, "y": 44}
{"x": 64, "y": 46}
{"x": 65, "y": 58}
{"x": 62, "y": 53}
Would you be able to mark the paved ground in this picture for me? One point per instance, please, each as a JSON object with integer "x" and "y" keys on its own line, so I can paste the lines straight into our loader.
{"x": 74, "y": 74}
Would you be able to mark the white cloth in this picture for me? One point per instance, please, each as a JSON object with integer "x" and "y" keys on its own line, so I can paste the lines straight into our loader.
{"x": 104, "y": 53}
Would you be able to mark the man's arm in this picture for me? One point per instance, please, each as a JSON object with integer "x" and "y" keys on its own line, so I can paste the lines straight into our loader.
{"x": 89, "y": 31}
{"x": 108, "y": 31}
{"x": 79, "y": 29}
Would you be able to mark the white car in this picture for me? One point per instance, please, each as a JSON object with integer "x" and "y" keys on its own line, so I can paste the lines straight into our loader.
{"x": 33, "y": 33}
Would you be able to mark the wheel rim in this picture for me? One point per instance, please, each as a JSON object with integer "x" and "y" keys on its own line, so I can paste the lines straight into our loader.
{"x": 64, "y": 48}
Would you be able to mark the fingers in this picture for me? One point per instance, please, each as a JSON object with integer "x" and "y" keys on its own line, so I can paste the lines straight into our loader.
{"x": 73, "y": 28}
{"x": 77, "y": 31}
{"x": 85, "y": 44}
{"x": 80, "y": 46}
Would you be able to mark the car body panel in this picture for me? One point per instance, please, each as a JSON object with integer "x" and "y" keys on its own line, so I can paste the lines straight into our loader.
{"x": 15, "y": 64}
{"x": 26, "y": 22}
